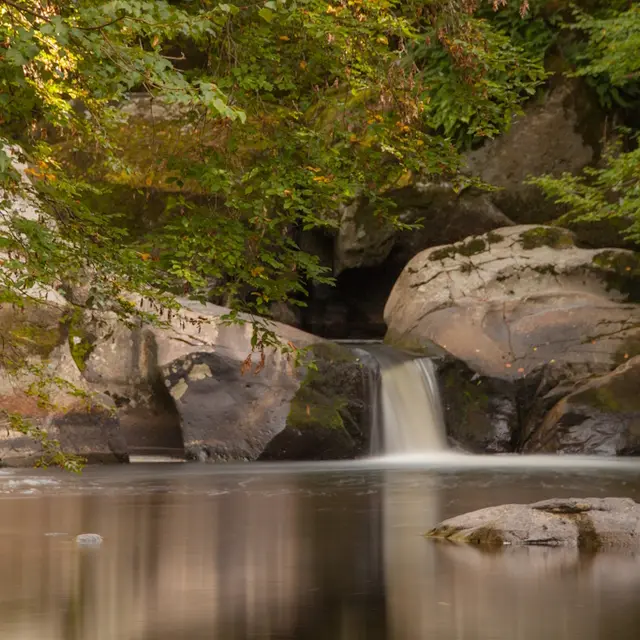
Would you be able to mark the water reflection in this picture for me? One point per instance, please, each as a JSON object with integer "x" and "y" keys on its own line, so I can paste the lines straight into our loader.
{"x": 334, "y": 556}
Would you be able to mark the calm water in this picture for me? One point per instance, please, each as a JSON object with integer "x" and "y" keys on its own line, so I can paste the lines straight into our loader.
{"x": 302, "y": 552}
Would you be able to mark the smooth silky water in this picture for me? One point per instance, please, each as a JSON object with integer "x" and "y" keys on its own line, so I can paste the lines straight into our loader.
{"x": 317, "y": 551}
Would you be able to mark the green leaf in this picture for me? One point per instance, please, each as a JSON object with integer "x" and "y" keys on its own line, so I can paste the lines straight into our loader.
{"x": 266, "y": 14}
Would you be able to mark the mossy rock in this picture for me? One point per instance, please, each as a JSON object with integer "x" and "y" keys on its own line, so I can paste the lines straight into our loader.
{"x": 328, "y": 415}
{"x": 81, "y": 340}
{"x": 34, "y": 330}
{"x": 553, "y": 237}
{"x": 479, "y": 412}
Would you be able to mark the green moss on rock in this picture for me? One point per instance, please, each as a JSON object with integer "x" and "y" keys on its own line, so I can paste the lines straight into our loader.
{"x": 81, "y": 341}
{"x": 35, "y": 339}
{"x": 546, "y": 237}
{"x": 472, "y": 247}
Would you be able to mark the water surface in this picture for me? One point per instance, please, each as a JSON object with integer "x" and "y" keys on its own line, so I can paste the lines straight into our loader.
{"x": 326, "y": 552}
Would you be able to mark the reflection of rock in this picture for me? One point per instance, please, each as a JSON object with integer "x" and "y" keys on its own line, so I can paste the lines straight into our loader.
{"x": 590, "y": 524}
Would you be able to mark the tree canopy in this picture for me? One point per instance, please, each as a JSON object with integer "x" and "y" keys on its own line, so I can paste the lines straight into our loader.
{"x": 264, "y": 118}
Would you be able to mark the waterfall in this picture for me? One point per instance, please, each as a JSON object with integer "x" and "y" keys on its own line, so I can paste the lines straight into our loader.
{"x": 407, "y": 415}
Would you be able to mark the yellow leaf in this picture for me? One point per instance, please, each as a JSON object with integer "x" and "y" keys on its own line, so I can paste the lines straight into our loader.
{"x": 303, "y": 65}
{"x": 284, "y": 38}
{"x": 314, "y": 169}
{"x": 353, "y": 138}
{"x": 257, "y": 271}
{"x": 145, "y": 256}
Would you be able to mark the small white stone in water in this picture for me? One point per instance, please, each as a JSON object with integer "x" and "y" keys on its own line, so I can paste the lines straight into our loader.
{"x": 89, "y": 540}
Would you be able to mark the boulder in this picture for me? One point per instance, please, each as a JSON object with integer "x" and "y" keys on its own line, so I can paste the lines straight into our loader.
{"x": 527, "y": 317}
{"x": 40, "y": 381}
{"x": 602, "y": 416}
{"x": 480, "y": 412}
{"x": 561, "y": 132}
{"x": 589, "y": 524}
{"x": 510, "y": 301}
{"x": 366, "y": 240}
{"x": 231, "y": 403}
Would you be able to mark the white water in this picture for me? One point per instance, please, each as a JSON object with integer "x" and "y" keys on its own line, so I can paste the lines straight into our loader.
{"x": 407, "y": 416}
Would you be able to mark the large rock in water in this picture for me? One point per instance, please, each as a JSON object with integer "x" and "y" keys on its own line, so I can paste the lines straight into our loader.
{"x": 512, "y": 300}
{"x": 231, "y": 405}
{"x": 589, "y": 524}
{"x": 526, "y": 306}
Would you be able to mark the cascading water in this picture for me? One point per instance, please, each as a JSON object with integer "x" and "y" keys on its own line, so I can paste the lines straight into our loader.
{"x": 407, "y": 415}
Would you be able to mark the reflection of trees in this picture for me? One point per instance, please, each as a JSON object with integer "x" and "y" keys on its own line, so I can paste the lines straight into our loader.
{"x": 296, "y": 557}
{"x": 264, "y": 561}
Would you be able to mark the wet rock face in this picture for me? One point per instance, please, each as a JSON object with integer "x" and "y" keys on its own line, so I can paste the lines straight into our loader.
{"x": 481, "y": 413}
{"x": 329, "y": 417}
{"x": 601, "y": 416}
{"x": 590, "y": 524}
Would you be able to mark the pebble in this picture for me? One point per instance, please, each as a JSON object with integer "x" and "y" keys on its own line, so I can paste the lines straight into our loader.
{"x": 89, "y": 540}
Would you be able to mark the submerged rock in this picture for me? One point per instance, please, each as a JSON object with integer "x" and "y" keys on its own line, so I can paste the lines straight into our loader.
{"x": 89, "y": 540}
{"x": 589, "y": 524}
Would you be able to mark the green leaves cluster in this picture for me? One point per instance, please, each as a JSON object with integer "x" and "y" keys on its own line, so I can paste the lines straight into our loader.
{"x": 610, "y": 58}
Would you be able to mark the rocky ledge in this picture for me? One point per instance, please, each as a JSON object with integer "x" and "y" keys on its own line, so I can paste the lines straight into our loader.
{"x": 589, "y": 524}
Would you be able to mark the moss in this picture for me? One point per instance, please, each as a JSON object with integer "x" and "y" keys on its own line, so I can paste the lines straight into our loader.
{"x": 547, "y": 269}
{"x": 414, "y": 346}
{"x": 35, "y": 339}
{"x": 616, "y": 394}
{"x": 322, "y": 401}
{"x": 482, "y": 536}
{"x": 333, "y": 352}
{"x": 443, "y": 254}
{"x": 493, "y": 238}
{"x": 467, "y": 249}
{"x": 546, "y": 237}
{"x": 472, "y": 247}
{"x": 312, "y": 408}
{"x": 81, "y": 342}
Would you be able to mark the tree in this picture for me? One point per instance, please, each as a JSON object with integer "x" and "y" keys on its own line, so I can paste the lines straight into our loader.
{"x": 292, "y": 108}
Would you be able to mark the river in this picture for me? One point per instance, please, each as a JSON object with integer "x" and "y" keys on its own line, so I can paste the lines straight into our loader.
{"x": 316, "y": 551}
